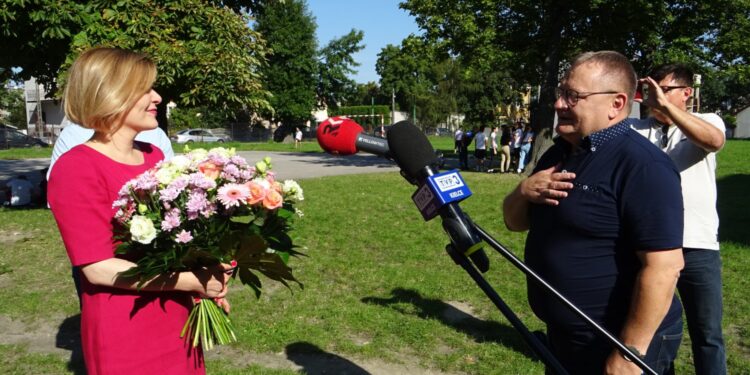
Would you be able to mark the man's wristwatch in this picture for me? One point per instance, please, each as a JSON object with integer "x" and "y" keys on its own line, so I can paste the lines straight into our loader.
{"x": 634, "y": 351}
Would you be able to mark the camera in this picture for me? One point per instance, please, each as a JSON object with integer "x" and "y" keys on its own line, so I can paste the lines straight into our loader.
{"x": 641, "y": 91}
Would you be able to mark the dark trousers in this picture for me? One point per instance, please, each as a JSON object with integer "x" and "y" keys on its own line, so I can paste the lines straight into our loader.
{"x": 463, "y": 156}
{"x": 586, "y": 352}
{"x": 699, "y": 286}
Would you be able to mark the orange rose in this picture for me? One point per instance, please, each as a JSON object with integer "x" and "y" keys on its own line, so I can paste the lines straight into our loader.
{"x": 273, "y": 200}
{"x": 257, "y": 192}
{"x": 209, "y": 170}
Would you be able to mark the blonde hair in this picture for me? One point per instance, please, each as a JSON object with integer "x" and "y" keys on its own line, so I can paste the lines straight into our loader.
{"x": 104, "y": 84}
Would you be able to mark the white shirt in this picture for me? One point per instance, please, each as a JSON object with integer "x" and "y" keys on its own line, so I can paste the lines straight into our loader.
{"x": 20, "y": 191}
{"x": 480, "y": 141}
{"x": 459, "y": 135}
{"x": 698, "y": 174}
{"x": 73, "y": 135}
{"x": 493, "y": 139}
{"x": 298, "y": 135}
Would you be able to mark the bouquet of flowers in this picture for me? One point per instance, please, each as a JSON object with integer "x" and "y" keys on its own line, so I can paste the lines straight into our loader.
{"x": 201, "y": 209}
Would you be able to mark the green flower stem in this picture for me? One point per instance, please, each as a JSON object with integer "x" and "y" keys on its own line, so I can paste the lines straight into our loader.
{"x": 209, "y": 325}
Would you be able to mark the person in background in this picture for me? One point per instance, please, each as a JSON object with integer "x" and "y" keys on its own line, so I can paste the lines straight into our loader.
{"x": 604, "y": 213}
{"x": 526, "y": 139}
{"x": 517, "y": 135}
{"x": 463, "y": 150}
{"x": 42, "y": 198}
{"x": 505, "y": 142}
{"x": 493, "y": 149}
{"x": 19, "y": 191}
{"x": 691, "y": 140}
{"x": 297, "y": 138}
{"x": 124, "y": 329}
{"x": 73, "y": 135}
{"x": 457, "y": 139}
{"x": 480, "y": 148}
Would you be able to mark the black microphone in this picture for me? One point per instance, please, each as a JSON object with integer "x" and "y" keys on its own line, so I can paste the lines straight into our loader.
{"x": 414, "y": 154}
{"x": 342, "y": 136}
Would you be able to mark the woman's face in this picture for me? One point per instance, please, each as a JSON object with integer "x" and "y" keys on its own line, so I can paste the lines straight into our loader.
{"x": 143, "y": 114}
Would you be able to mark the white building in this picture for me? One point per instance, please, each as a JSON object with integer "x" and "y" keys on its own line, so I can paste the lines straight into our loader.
{"x": 743, "y": 124}
{"x": 44, "y": 114}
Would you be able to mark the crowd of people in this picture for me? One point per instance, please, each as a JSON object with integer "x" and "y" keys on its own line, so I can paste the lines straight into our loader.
{"x": 620, "y": 214}
{"x": 507, "y": 152}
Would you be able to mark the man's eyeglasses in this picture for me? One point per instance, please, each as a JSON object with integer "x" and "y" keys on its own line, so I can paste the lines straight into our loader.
{"x": 572, "y": 96}
{"x": 667, "y": 89}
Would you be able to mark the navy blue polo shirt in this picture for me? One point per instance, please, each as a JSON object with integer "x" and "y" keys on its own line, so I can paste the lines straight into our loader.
{"x": 626, "y": 198}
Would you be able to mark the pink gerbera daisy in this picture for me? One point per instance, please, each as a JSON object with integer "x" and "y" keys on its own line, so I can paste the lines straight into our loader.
{"x": 231, "y": 195}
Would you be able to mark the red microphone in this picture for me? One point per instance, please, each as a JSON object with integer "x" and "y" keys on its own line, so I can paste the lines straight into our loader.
{"x": 342, "y": 136}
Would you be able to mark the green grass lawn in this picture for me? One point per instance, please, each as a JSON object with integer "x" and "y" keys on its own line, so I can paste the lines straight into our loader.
{"x": 378, "y": 285}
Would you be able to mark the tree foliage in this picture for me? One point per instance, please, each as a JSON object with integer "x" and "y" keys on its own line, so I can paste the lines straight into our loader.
{"x": 205, "y": 52}
{"x": 532, "y": 40}
{"x": 291, "y": 72}
{"x": 435, "y": 85}
{"x": 12, "y": 106}
{"x": 336, "y": 63}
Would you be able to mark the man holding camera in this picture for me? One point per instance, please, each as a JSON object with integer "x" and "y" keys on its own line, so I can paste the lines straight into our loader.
{"x": 604, "y": 213}
{"x": 691, "y": 140}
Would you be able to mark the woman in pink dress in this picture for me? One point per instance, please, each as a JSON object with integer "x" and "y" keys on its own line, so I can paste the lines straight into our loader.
{"x": 123, "y": 330}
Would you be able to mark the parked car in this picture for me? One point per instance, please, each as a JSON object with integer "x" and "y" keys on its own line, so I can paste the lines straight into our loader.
{"x": 12, "y": 138}
{"x": 443, "y": 131}
{"x": 197, "y": 135}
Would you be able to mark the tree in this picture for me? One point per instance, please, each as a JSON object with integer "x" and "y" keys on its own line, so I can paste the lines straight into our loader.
{"x": 533, "y": 39}
{"x": 336, "y": 62}
{"x": 290, "y": 74}
{"x": 12, "y": 102}
{"x": 370, "y": 93}
{"x": 205, "y": 52}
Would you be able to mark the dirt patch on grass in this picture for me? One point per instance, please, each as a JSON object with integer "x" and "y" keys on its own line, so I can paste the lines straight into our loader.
{"x": 8, "y": 237}
{"x": 61, "y": 336}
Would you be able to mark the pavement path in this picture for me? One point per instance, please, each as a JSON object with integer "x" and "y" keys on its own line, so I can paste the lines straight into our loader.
{"x": 287, "y": 165}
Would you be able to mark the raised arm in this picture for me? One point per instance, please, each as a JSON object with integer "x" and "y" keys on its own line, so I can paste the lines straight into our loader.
{"x": 704, "y": 134}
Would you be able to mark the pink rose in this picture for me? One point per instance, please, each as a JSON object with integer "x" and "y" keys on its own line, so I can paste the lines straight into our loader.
{"x": 273, "y": 200}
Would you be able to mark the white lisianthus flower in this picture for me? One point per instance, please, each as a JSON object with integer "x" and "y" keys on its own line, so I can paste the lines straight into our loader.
{"x": 223, "y": 152}
{"x": 142, "y": 229}
{"x": 262, "y": 182}
{"x": 292, "y": 190}
{"x": 261, "y": 167}
{"x": 181, "y": 163}
{"x": 198, "y": 155}
{"x": 167, "y": 175}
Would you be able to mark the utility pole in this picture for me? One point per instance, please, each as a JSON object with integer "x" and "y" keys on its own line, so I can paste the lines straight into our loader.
{"x": 414, "y": 111}
{"x": 393, "y": 105}
{"x": 39, "y": 129}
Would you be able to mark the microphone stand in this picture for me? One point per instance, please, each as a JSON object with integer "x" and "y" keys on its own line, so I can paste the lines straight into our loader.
{"x": 539, "y": 348}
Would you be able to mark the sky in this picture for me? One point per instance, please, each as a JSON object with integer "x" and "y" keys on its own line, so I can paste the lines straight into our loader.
{"x": 382, "y": 22}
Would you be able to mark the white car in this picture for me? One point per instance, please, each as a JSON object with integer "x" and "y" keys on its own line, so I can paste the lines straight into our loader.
{"x": 196, "y": 135}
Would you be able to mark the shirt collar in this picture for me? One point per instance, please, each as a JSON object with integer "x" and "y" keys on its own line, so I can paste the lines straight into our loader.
{"x": 656, "y": 124}
{"x": 595, "y": 141}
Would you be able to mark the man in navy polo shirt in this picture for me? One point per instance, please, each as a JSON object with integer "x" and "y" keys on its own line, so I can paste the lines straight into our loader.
{"x": 604, "y": 213}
